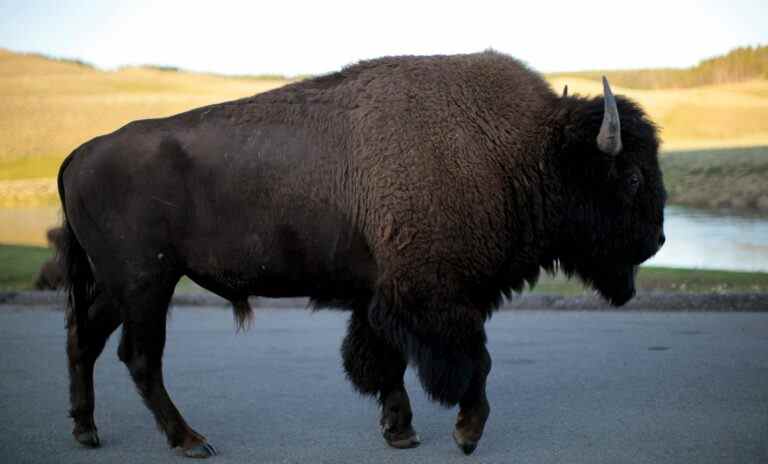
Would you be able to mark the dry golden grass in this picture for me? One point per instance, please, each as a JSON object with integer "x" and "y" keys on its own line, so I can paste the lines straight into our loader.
{"x": 50, "y": 107}
{"x": 27, "y": 225}
{"x": 717, "y": 116}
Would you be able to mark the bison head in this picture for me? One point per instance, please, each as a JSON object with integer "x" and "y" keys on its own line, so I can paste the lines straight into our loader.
{"x": 613, "y": 196}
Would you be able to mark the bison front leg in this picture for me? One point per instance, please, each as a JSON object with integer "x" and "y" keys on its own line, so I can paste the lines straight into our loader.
{"x": 376, "y": 368}
{"x": 473, "y": 406}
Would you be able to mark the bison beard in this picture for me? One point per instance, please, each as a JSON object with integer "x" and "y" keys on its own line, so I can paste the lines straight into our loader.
{"x": 415, "y": 192}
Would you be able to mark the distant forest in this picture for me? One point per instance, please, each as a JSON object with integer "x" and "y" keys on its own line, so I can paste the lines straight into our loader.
{"x": 740, "y": 64}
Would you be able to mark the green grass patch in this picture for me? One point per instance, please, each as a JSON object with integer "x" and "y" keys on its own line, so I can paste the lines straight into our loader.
{"x": 185, "y": 285}
{"x": 735, "y": 178}
{"x": 701, "y": 281}
{"x": 663, "y": 279}
{"x": 19, "y": 266}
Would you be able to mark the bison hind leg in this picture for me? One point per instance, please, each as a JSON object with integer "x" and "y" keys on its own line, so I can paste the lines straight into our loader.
{"x": 144, "y": 305}
{"x": 83, "y": 349}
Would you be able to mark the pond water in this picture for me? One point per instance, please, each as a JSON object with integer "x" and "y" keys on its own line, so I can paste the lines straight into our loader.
{"x": 713, "y": 240}
{"x": 695, "y": 238}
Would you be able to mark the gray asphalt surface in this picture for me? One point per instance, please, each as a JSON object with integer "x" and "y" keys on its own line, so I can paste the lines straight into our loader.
{"x": 566, "y": 387}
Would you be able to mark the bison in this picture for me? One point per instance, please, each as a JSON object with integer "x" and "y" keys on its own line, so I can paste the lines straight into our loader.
{"x": 51, "y": 276}
{"x": 415, "y": 192}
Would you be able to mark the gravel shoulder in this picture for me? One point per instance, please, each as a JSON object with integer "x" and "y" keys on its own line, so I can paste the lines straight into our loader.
{"x": 657, "y": 301}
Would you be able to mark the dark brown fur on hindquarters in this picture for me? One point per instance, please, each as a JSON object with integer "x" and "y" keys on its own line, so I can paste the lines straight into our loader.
{"x": 426, "y": 187}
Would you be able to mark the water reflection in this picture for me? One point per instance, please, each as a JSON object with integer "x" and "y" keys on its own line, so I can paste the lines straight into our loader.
{"x": 713, "y": 240}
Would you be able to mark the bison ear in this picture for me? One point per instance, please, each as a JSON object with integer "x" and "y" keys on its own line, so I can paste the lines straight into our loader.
{"x": 609, "y": 138}
{"x": 565, "y": 91}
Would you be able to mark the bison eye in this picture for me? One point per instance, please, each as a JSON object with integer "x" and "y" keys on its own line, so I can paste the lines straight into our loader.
{"x": 634, "y": 182}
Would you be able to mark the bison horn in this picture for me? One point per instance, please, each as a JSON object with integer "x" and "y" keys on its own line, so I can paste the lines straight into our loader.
{"x": 565, "y": 91}
{"x": 609, "y": 138}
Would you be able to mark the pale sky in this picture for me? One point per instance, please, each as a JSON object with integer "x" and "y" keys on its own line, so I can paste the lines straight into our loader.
{"x": 296, "y": 37}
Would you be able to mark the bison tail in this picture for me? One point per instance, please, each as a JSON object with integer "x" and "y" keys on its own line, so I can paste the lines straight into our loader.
{"x": 78, "y": 279}
{"x": 444, "y": 368}
{"x": 79, "y": 282}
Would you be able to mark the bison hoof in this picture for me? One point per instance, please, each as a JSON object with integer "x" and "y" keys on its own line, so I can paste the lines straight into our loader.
{"x": 402, "y": 440}
{"x": 88, "y": 438}
{"x": 466, "y": 446}
{"x": 201, "y": 451}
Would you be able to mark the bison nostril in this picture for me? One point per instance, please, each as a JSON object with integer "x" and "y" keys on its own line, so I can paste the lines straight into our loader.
{"x": 662, "y": 239}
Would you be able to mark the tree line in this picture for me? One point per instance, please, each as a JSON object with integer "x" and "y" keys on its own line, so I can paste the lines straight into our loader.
{"x": 740, "y": 64}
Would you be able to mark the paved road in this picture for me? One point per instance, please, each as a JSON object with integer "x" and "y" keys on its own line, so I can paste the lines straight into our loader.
{"x": 566, "y": 387}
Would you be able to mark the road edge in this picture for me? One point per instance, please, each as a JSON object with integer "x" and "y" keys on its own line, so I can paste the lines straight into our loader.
{"x": 656, "y": 301}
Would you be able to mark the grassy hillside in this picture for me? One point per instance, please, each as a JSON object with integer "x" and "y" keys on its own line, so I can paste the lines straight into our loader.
{"x": 52, "y": 106}
{"x": 714, "y": 116}
{"x": 733, "y": 178}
